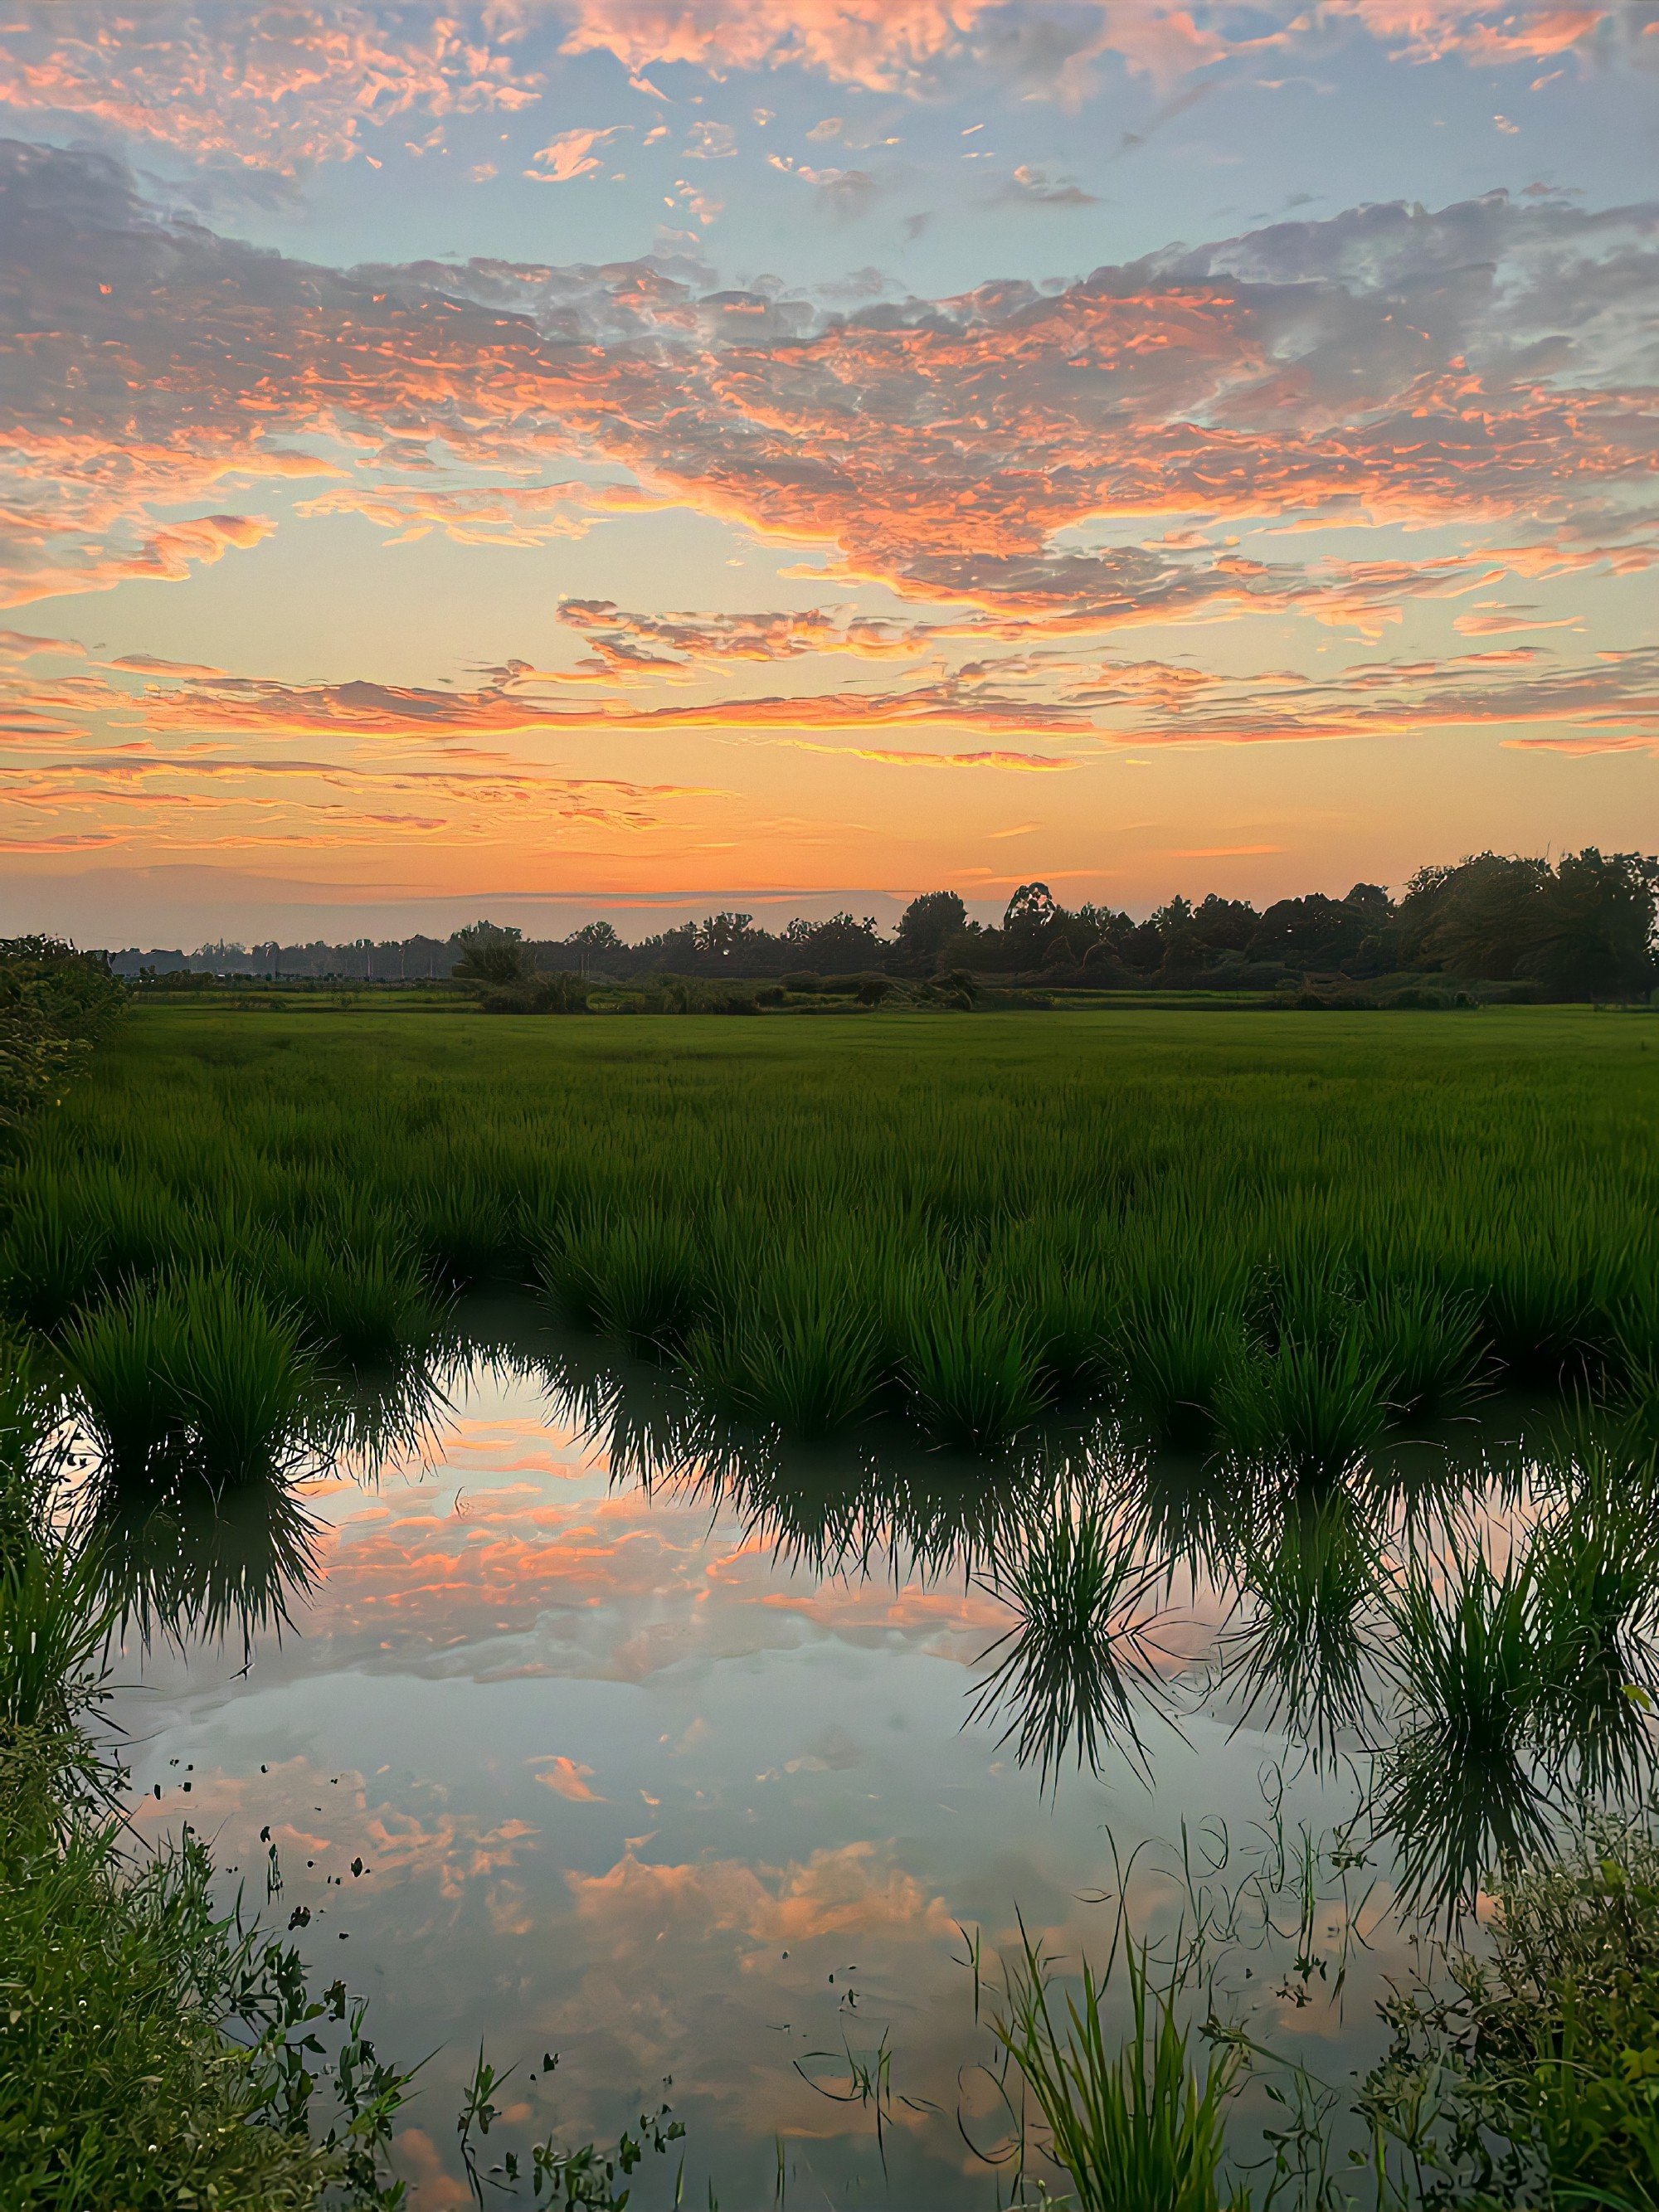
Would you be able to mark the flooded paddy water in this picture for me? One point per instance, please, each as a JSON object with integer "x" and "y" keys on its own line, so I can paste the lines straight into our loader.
{"x": 732, "y": 1778}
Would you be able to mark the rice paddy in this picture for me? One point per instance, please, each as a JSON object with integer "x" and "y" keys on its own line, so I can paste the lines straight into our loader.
{"x": 1277, "y": 1238}
{"x": 1221, "y": 1382}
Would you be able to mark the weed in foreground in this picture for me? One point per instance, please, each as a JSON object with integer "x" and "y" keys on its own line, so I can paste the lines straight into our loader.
{"x": 1137, "y": 2128}
{"x": 1527, "y": 2074}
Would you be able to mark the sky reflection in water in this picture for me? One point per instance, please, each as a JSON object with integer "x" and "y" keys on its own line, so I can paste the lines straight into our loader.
{"x": 633, "y": 1781}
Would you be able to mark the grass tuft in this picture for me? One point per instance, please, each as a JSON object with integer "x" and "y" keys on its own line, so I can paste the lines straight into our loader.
{"x": 1139, "y": 2128}
{"x": 1075, "y": 1669}
{"x": 1459, "y": 1790}
{"x": 971, "y": 1371}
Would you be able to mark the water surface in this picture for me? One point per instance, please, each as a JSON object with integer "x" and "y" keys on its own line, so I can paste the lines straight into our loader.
{"x": 573, "y": 1743}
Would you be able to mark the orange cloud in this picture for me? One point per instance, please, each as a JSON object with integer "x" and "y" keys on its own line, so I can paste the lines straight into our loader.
{"x": 569, "y": 1779}
{"x": 1479, "y": 31}
{"x": 271, "y": 86}
{"x": 1609, "y": 703}
{"x": 882, "y": 45}
{"x": 571, "y": 156}
{"x": 942, "y": 450}
{"x": 902, "y": 45}
{"x": 486, "y": 514}
{"x": 851, "y": 1889}
{"x": 513, "y": 702}
{"x": 281, "y": 88}
{"x": 622, "y": 641}
{"x": 1021, "y": 764}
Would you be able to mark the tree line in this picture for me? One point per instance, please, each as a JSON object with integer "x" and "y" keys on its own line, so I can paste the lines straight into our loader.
{"x": 1582, "y": 927}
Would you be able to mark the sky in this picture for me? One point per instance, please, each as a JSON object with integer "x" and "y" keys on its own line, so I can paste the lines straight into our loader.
{"x": 564, "y": 458}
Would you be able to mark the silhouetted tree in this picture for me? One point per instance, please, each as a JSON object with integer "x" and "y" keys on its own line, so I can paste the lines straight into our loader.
{"x": 1315, "y": 932}
{"x": 1027, "y": 921}
{"x": 490, "y": 954}
{"x": 928, "y": 924}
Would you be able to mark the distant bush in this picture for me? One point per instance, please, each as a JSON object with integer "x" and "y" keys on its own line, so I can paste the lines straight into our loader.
{"x": 536, "y": 994}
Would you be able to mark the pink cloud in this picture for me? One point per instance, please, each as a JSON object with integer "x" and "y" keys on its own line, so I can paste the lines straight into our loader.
{"x": 571, "y": 156}
{"x": 569, "y": 1779}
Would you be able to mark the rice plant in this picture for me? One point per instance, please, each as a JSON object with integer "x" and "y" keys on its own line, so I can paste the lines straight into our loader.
{"x": 1189, "y": 1512}
{"x": 1074, "y": 1673}
{"x": 1067, "y": 1294}
{"x": 650, "y": 1282}
{"x": 1459, "y": 1791}
{"x": 1308, "y": 1405}
{"x": 1094, "y": 1193}
{"x": 241, "y": 1380}
{"x": 198, "y": 1562}
{"x": 1175, "y": 1345}
{"x": 365, "y": 1305}
{"x": 123, "y": 1364}
{"x": 1594, "y": 1560}
{"x": 1138, "y": 2128}
{"x": 970, "y": 1371}
{"x": 810, "y": 1371}
{"x": 399, "y": 1412}
{"x": 466, "y": 1226}
{"x": 639, "y": 1279}
{"x": 53, "y": 1254}
{"x": 147, "y": 1229}
{"x": 1539, "y": 1296}
{"x": 199, "y": 1373}
{"x": 1426, "y": 1341}
{"x": 1302, "y": 1660}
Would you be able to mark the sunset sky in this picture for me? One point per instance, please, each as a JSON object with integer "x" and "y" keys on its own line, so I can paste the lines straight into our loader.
{"x": 558, "y": 458}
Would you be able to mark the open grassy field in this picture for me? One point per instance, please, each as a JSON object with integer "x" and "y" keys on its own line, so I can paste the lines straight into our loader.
{"x": 1275, "y": 1232}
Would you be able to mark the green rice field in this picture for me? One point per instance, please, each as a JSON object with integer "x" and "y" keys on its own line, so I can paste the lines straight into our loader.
{"x": 973, "y": 1605}
{"x": 1276, "y": 1233}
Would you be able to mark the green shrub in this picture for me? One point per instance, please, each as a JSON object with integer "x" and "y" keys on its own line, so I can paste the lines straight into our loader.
{"x": 1528, "y": 2074}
